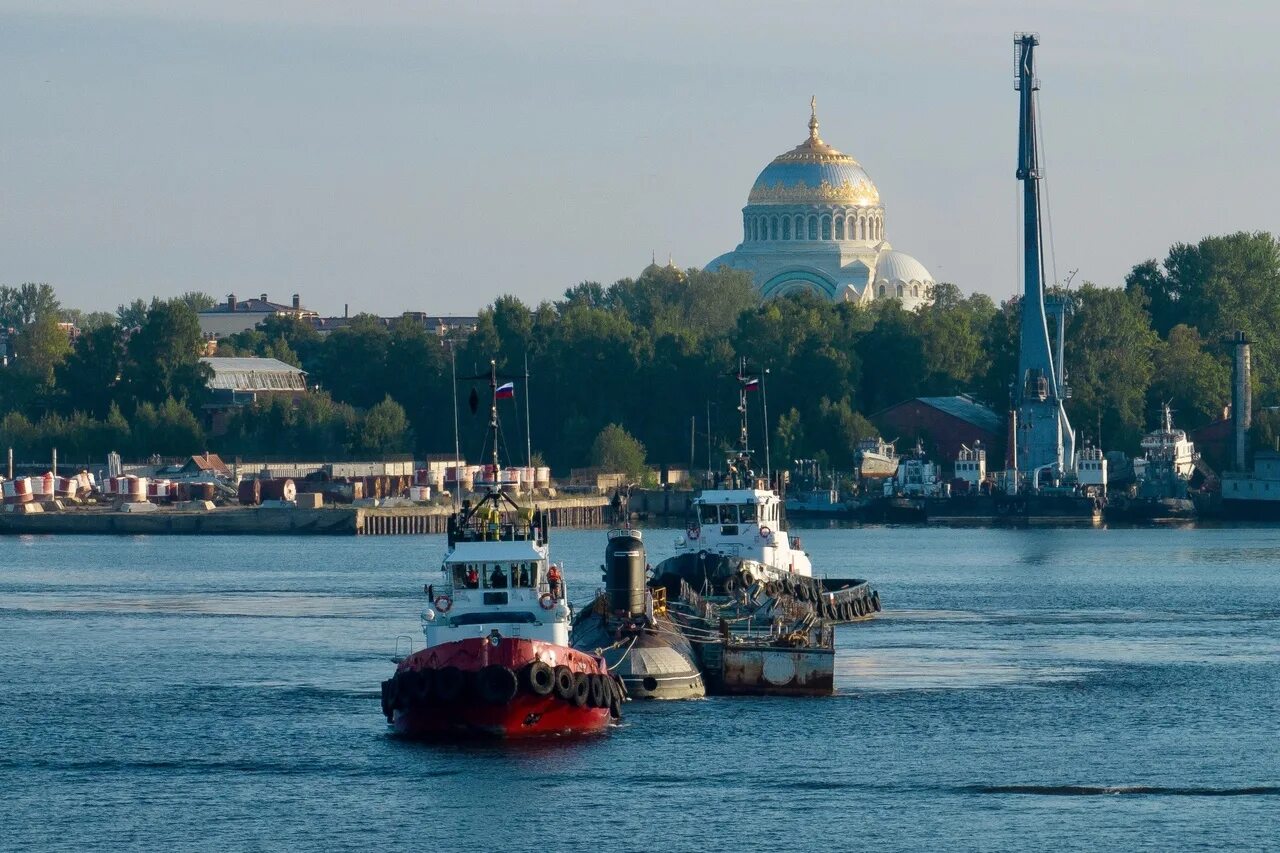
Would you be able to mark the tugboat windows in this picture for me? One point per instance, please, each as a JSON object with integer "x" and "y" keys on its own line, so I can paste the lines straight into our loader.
{"x": 709, "y": 514}
{"x": 523, "y": 574}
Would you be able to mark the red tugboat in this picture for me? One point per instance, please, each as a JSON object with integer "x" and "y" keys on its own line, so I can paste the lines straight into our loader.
{"x": 497, "y": 661}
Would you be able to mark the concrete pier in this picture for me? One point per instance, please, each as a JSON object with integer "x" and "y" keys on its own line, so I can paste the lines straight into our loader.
{"x": 287, "y": 521}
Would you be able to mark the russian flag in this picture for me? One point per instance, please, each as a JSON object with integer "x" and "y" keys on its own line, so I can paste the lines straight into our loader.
{"x": 505, "y": 392}
{"x": 751, "y": 385}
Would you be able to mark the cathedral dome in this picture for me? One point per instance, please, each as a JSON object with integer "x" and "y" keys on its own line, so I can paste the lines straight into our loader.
{"x": 894, "y": 267}
{"x": 900, "y": 276}
{"x": 812, "y": 173}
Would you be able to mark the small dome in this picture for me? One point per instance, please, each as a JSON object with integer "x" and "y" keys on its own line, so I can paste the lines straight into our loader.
{"x": 814, "y": 172}
{"x": 894, "y": 267}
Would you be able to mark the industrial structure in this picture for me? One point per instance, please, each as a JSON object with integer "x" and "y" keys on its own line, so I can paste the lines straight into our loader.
{"x": 1042, "y": 437}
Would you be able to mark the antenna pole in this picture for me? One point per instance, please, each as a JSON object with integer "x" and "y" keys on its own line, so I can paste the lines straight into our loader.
{"x": 493, "y": 414}
{"x": 708, "y": 438}
{"x": 457, "y": 446}
{"x": 764, "y": 402}
{"x": 528, "y": 436}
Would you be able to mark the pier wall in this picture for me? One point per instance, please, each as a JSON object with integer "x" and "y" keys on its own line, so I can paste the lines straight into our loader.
{"x": 333, "y": 521}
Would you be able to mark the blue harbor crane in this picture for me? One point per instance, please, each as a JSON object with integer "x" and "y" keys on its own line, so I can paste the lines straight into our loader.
{"x": 1044, "y": 440}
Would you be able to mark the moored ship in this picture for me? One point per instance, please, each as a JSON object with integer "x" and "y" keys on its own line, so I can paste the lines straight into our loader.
{"x": 875, "y": 459}
{"x": 498, "y": 660}
{"x": 736, "y": 544}
{"x": 1161, "y": 491}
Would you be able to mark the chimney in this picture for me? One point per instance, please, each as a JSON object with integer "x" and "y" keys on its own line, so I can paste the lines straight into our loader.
{"x": 1241, "y": 398}
{"x": 346, "y": 310}
{"x": 231, "y": 302}
{"x": 264, "y": 297}
{"x": 297, "y": 302}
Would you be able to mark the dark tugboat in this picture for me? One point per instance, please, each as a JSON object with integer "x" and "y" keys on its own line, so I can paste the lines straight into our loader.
{"x": 498, "y": 660}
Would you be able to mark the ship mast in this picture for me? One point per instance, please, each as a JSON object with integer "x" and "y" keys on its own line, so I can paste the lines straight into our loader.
{"x": 1045, "y": 437}
{"x": 493, "y": 419}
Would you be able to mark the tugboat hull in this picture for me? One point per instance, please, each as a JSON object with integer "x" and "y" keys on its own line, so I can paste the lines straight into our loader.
{"x": 511, "y": 688}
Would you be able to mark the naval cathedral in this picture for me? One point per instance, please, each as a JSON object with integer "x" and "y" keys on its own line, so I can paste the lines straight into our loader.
{"x": 814, "y": 221}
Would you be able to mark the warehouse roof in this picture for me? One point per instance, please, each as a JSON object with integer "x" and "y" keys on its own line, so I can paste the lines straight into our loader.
{"x": 966, "y": 409}
{"x": 255, "y": 374}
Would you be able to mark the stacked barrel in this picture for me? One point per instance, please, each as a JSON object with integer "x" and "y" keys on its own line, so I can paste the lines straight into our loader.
{"x": 254, "y": 492}
{"x": 18, "y": 491}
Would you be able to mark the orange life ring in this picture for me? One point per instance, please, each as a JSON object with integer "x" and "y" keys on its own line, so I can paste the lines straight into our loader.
{"x": 765, "y": 531}
{"x": 546, "y": 601}
{"x": 444, "y": 603}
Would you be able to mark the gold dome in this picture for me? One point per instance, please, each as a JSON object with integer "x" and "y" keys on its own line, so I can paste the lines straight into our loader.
{"x": 814, "y": 172}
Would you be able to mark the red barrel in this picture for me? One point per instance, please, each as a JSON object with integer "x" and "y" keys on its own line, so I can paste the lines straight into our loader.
{"x": 279, "y": 490}
{"x": 65, "y": 487}
{"x": 206, "y": 492}
{"x": 250, "y": 492}
{"x": 42, "y": 486}
{"x": 17, "y": 491}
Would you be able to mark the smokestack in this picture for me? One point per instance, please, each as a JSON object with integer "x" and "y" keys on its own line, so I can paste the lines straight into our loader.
{"x": 346, "y": 309}
{"x": 297, "y": 302}
{"x": 231, "y": 302}
{"x": 1241, "y": 398}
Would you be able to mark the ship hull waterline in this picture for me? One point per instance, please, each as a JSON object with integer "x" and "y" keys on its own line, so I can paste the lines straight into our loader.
{"x": 470, "y": 714}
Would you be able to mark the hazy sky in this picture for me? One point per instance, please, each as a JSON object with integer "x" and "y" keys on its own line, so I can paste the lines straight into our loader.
{"x": 420, "y": 156}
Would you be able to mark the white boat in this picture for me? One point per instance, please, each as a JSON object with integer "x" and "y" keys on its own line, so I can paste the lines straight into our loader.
{"x": 875, "y": 459}
{"x": 1168, "y": 449}
{"x": 917, "y": 477}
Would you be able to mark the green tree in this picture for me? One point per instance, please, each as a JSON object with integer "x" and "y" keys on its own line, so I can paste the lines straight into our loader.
{"x": 1187, "y": 376}
{"x": 353, "y": 363}
{"x": 893, "y": 359}
{"x": 197, "y": 301}
{"x": 1217, "y": 286}
{"x": 1110, "y": 348}
{"x": 22, "y": 305}
{"x": 615, "y": 449}
{"x": 133, "y": 315}
{"x": 40, "y": 348}
{"x": 169, "y": 429}
{"x": 385, "y": 429}
{"x": 163, "y": 357}
{"x": 88, "y": 381}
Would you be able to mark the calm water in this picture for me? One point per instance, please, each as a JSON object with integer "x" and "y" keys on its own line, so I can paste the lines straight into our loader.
{"x": 1103, "y": 689}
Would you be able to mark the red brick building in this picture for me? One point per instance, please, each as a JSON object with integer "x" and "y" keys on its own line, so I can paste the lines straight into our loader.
{"x": 942, "y": 425}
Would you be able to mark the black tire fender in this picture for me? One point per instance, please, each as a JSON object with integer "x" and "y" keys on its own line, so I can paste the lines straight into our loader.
{"x": 449, "y": 683}
{"x": 564, "y": 683}
{"x": 540, "y": 678}
{"x": 581, "y": 689}
{"x": 497, "y": 684}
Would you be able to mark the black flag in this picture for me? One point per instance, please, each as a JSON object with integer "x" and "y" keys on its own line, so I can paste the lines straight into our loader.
{"x": 474, "y": 400}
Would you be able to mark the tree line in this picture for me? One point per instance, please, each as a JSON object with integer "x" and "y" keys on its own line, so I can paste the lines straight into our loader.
{"x": 649, "y": 358}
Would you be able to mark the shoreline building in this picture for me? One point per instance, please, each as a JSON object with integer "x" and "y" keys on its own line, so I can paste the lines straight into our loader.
{"x": 814, "y": 221}
{"x": 234, "y": 316}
